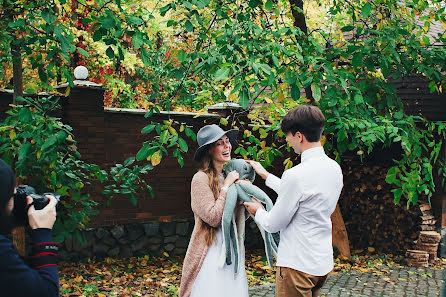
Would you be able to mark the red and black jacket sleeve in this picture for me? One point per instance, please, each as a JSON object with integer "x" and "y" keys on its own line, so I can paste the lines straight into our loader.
{"x": 40, "y": 278}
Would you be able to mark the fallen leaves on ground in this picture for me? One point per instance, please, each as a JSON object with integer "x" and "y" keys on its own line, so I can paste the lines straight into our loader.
{"x": 136, "y": 276}
{"x": 160, "y": 276}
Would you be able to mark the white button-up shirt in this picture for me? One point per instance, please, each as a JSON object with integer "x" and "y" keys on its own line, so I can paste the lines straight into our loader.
{"x": 307, "y": 196}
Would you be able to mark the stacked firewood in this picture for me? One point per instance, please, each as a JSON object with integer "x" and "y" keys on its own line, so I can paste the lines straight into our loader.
{"x": 371, "y": 217}
{"x": 426, "y": 245}
{"x": 417, "y": 258}
{"x": 428, "y": 241}
{"x": 428, "y": 220}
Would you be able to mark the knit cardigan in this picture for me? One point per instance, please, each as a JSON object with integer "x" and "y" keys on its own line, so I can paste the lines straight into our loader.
{"x": 210, "y": 210}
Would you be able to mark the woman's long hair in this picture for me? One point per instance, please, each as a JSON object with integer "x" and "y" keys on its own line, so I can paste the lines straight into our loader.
{"x": 207, "y": 166}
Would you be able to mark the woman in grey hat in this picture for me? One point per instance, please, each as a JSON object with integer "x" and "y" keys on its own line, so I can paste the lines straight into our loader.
{"x": 202, "y": 275}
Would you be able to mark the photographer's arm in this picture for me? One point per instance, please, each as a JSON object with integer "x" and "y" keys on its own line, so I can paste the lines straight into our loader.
{"x": 42, "y": 279}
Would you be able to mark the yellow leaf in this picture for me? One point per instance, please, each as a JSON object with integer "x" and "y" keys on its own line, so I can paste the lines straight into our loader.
{"x": 100, "y": 295}
{"x": 323, "y": 140}
{"x": 289, "y": 164}
{"x": 156, "y": 158}
{"x": 166, "y": 254}
{"x": 172, "y": 130}
{"x": 364, "y": 269}
{"x": 38, "y": 155}
{"x": 78, "y": 279}
{"x": 370, "y": 249}
{"x": 12, "y": 134}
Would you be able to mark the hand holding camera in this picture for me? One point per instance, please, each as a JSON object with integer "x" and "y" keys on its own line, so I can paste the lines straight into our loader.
{"x": 42, "y": 218}
{"x": 35, "y": 210}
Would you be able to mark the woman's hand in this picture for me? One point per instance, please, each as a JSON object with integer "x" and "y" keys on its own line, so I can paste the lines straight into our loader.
{"x": 258, "y": 168}
{"x": 231, "y": 178}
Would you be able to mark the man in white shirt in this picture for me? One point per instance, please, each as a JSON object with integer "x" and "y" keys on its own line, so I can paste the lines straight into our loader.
{"x": 307, "y": 196}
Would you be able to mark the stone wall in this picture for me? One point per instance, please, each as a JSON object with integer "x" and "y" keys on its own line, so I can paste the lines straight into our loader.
{"x": 151, "y": 238}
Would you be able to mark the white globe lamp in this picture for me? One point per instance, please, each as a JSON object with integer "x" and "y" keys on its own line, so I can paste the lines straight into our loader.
{"x": 81, "y": 72}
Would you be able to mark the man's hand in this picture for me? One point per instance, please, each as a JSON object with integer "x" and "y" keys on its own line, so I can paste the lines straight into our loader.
{"x": 258, "y": 168}
{"x": 43, "y": 218}
{"x": 253, "y": 206}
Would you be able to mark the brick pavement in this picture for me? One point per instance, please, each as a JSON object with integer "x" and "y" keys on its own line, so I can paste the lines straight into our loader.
{"x": 404, "y": 281}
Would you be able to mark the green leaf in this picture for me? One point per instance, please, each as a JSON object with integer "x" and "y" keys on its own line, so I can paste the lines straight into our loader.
{"x": 83, "y": 52}
{"x": 108, "y": 22}
{"x": 269, "y": 5}
{"x": 80, "y": 237}
{"x": 165, "y": 9}
{"x": 347, "y": 28}
{"x": 181, "y": 56}
{"x": 164, "y": 136}
{"x": 145, "y": 56}
{"x": 17, "y": 24}
{"x": 143, "y": 152}
{"x": 147, "y": 129}
{"x": 42, "y": 74}
{"x": 295, "y": 92}
{"x": 397, "y": 195}
{"x": 366, "y": 10}
{"x": 49, "y": 142}
{"x": 98, "y": 34}
{"x": 137, "y": 40}
{"x": 275, "y": 61}
{"x": 254, "y": 3}
{"x": 134, "y": 20}
{"x": 133, "y": 200}
{"x": 357, "y": 60}
{"x": 426, "y": 40}
{"x": 110, "y": 53}
{"x": 183, "y": 144}
{"x": 171, "y": 23}
{"x": 222, "y": 73}
{"x": 316, "y": 90}
{"x": 243, "y": 98}
{"x": 190, "y": 133}
{"x": 23, "y": 151}
{"x": 129, "y": 161}
{"x": 47, "y": 16}
{"x": 189, "y": 26}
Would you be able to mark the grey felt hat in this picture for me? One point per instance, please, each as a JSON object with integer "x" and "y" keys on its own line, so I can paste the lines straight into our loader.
{"x": 210, "y": 134}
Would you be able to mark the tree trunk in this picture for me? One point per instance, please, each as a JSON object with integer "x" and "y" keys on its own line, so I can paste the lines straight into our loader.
{"x": 340, "y": 237}
{"x": 297, "y": 10}
{"x": 17, "y": 71}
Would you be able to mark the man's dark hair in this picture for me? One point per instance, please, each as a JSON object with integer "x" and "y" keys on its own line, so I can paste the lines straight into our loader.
{"x": 306, "y": 119}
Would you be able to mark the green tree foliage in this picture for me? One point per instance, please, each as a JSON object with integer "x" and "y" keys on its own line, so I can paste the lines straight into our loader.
{"x": 253, "y": 51}
{"x": 43, "y": 152}
{"x": 257, "y": 53}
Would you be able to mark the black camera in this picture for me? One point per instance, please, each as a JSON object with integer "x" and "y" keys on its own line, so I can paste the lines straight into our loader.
{"x": 20, "y": 211}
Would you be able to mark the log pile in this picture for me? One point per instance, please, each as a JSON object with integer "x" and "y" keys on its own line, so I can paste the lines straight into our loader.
{"x": 428, "y": 241}
{"x": 417, "y": 258}
{"x": 427, "y": 218}
{"x": 371, "y": 217}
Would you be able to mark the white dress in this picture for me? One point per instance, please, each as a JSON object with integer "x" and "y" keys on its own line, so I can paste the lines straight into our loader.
{"x": 220, "y": 282}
